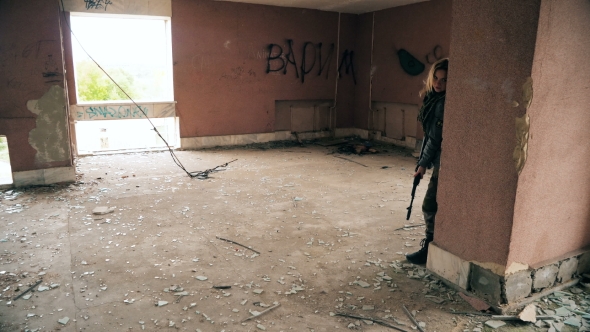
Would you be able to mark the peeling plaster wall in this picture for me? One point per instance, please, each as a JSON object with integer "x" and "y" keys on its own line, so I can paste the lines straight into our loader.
{"x": 31, "y": 68}
{"x": 552, "y": 214}
{"x": 491, "y": 56}
{"x": 422, "y": 29}
{"x": 221, "y": 53}
{"x": 50, "y": 136}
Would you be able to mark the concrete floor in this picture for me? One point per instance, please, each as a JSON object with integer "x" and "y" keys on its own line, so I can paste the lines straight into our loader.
{"x": 321, "y": 226}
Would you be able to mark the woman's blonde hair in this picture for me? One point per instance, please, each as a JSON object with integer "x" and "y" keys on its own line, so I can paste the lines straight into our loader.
{"x": 440, "y": 64}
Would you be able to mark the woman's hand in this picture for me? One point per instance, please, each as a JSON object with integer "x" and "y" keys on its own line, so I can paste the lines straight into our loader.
{"x": 420, "y": 172}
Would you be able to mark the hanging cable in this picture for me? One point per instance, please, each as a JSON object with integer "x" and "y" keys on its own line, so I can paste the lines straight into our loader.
{"x": 200, "y": 174}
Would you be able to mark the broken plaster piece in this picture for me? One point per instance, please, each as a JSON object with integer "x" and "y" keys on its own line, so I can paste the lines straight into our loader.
{"x": 529, "y": 314}
{"x": 495, "y": 323}
{"x": 362, "y": 284}
{"x": 201, "y": 278}
{"x": 63, "y": 321}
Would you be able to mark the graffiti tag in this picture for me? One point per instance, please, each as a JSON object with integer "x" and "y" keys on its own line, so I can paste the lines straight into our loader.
{"x": 311, "y": 57}
{"x": 97, "y": 4}
{"x": 112, "y": 112}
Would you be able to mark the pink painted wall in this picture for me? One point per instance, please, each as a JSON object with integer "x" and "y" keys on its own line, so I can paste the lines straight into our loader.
{"x": 220, "y": 53}
{"x": 418, "y": 29}
{"x": 552, "y": 210}
{"x": 29, "y": 47}
{"x": 491, "y": 55}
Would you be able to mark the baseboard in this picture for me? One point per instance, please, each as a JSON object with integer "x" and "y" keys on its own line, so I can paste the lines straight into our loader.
{"x": 507, "y": 292}
{"x": 44, "y": 176}
{"x": 192, "y": 143}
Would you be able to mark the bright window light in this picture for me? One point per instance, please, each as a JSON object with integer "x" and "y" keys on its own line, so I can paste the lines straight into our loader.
{"x": 135, "y": 51}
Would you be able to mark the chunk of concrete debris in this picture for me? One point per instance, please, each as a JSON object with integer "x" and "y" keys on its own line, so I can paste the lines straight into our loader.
{"x": 495, "y": 323}
{"x": 42, "y": 288}
{"x": 261, "y": 327}
{"x": 561, "y": 311}
{"x": 52, "y": 286}
{"x": 26, "y": 297}
{"x": 63, "y": 321}
{"x": 258, "y": 291}
{"x": 362, "y": 284}
{"x": 162, "y": 303}
{"x": 201, "y": 278}
{"x": 435, "y": 299}
{"x": 368, "y": 307}
{"x": 573, "y": 321}
{"x": 171, "y": 324}
{"x": 529, "y": 313}
{"x": 102, "y": 210}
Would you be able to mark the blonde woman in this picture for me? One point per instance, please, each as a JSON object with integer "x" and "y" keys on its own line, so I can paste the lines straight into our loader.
{"x": 431, "y": 116}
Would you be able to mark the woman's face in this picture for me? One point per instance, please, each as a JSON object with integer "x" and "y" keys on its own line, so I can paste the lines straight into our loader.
{"x": 439, "y": 82}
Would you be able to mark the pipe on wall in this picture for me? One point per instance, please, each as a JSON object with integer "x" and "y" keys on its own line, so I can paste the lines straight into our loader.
{"x": 333, "y": 108}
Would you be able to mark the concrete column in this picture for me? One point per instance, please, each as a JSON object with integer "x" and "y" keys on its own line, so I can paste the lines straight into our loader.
{"x": 492, "y": 48}
{"x": 491, "y": 57}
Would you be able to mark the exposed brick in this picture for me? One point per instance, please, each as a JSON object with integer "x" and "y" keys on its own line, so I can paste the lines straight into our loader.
{"x": 567, "y": 269}
{"x": 518, "y": 285}
{"x": 545, "y": 277}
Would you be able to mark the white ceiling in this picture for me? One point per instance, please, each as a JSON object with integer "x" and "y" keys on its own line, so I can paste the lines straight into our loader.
{"x": 342, "y": 6}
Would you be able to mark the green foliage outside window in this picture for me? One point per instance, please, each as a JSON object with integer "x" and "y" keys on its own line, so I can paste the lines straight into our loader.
{"x": 94, "y": 85}
{"x": 3, "y": 149}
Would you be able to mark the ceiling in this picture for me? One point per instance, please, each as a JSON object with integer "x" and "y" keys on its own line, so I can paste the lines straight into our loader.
{"x": 342, "y": 6}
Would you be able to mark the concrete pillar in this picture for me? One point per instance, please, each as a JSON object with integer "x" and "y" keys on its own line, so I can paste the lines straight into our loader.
{"x": 492, "y": 49}
{"x": 514, "y": 182}
{"x": 491, "y": 57}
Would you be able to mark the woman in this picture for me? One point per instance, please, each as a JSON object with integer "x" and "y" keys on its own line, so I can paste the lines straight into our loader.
{"x": 431, "y": 117}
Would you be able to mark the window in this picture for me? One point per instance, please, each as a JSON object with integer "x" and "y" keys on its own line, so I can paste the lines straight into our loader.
{"x": 5, "y": 169}
{"x": 136, "y": 51}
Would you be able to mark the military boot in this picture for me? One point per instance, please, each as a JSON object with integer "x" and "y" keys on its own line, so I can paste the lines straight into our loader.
{"x": 420, "y": 256}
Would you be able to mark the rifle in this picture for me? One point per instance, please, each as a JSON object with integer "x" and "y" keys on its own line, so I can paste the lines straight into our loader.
{"x": 416, "y": 183}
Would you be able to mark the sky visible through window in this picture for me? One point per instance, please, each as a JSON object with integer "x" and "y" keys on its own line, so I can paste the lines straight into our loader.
{"x": 134, "y": 51}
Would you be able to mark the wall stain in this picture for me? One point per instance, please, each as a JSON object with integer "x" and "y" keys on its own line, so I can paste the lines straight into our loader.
{"x": 50, "y": 137}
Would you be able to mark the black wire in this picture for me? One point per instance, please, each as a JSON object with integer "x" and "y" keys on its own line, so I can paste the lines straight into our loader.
{"x": 201, "y": 175}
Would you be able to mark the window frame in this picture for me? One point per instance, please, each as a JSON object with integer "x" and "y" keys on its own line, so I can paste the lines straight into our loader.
{"x": 169, "y": 61}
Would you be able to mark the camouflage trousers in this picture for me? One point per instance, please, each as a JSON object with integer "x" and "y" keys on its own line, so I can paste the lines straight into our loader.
{"x": 429, "y": 206}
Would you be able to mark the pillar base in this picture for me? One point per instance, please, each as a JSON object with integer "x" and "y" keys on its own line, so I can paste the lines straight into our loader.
{"x": 509, "y": 291}
{"x": 43, "y": 176}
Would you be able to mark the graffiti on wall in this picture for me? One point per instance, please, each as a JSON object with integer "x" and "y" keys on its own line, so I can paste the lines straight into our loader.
{"x": 434, "y": 55}
{"x": 412, "y": 66}
{"x": 281, "y": 59}
{"x": 409, "y": 63}
{"x": 97, "y": 4}
{"x": 348, "y": 63}
{"x": 112, "y": 112}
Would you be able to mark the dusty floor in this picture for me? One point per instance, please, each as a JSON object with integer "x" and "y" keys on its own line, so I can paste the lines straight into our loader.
{"x": 324, "y": 227}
